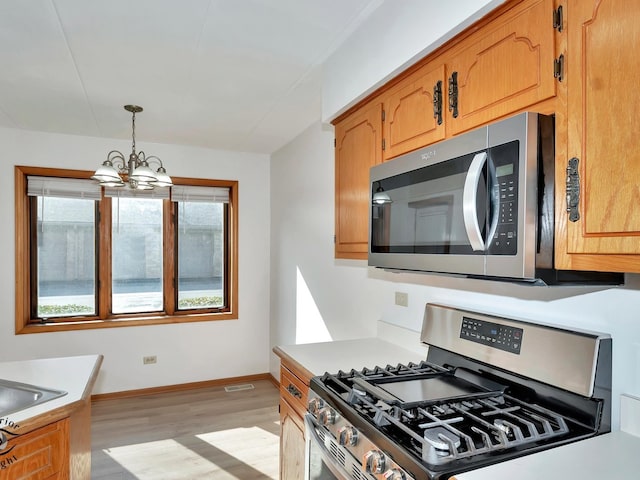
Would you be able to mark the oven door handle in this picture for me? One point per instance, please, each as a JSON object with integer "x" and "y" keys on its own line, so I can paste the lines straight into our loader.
{"x": 328, "y": 460}
{"x": 469, "y": 195}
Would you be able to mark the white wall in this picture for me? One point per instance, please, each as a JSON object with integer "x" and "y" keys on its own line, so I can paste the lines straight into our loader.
{"x": 188, "y": 352}
{"x": 397, "y": 34}
{"x": 314, "y": 297}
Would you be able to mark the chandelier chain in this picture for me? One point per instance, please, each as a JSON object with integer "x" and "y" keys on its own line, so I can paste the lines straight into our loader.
{"x": 133, "y": 132}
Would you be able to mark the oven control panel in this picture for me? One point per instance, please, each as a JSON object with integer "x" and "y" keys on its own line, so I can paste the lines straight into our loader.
{"x": 495, "y": 335}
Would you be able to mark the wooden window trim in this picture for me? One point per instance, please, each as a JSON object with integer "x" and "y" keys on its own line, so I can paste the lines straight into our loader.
{"x": 25, "y": 324}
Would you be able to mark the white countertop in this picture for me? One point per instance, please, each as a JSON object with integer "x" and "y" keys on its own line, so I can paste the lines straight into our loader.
{"x": 319, "y": 358}
{"x": 72, "y": 374}
{"x": 612, "y": 456}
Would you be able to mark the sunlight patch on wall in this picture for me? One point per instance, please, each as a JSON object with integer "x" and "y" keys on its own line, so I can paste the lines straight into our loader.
{"x": 310, "y": 326}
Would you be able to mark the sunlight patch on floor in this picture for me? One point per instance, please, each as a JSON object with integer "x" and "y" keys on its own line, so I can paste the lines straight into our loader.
{"x": 252, "y": 446}
{"x": 239, "y": 453}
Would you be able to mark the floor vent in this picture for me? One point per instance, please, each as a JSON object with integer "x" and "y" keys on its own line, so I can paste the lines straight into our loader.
{"x": 237, "y": 388}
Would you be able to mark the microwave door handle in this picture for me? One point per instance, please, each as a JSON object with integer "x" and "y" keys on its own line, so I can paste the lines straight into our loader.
{"x": 469, "y": 195}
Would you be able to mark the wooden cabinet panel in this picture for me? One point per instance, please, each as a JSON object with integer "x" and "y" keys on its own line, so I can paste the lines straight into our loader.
{"x": 602, "y": 113}
{"x": 409, "y": 112}
{"x": 358, "y": 147}
{"x": 294, "y": 387}
{"x": 38, "y": 455}
{"x": 504, "y": 67}
{"x": 292, "y": 443}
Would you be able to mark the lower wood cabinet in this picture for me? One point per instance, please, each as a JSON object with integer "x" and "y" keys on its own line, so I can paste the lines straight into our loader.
{"x": 40, "y": 454}
{"x": 294, "y": 388}
{"x": 292, "y": 443}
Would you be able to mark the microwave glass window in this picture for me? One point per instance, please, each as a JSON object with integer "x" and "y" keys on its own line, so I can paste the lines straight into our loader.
{"x": 425, "y": 213}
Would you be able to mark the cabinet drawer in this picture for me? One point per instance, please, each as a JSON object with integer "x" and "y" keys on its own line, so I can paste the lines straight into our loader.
{"x": 293, "y": 390}
{"x": 40, "y": 454}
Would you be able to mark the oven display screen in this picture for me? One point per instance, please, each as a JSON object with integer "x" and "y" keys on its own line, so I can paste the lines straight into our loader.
{"x": 492, "y": 334}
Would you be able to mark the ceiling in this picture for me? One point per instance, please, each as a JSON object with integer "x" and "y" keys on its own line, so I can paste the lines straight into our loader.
{"x": 238, "y": 75}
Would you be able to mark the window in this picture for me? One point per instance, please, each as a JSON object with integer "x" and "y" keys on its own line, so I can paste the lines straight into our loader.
{"x": 88, "y": 258}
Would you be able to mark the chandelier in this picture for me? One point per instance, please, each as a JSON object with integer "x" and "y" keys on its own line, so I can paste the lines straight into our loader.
{"x": 139, "y": 174}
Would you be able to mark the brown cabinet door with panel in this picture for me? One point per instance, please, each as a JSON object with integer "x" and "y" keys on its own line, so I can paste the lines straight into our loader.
{"x": 292, "y": 443}
{"x": 358, "y": 148}
{"x": 413, "y": 111}
{"x": 503, "y": 67}
{"x": 603, "y": 39}
{"x": 294, "y": 388}
{"x": 38, "y": 455}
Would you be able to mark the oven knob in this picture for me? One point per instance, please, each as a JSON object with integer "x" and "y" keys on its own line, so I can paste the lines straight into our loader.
{"x": 374, "y": 462}
{"x": 348, "y": 436}
{"x": 327, "y": 416}
{"x": 315, "y": 404}
{"x": 394, "y": 474}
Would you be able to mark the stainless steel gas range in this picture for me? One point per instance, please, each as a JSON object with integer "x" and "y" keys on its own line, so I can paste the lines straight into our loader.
{"x": 490, "y": 389}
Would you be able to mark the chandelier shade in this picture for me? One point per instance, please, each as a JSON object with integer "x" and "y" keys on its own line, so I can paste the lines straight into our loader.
{"x": 140, "y": 175}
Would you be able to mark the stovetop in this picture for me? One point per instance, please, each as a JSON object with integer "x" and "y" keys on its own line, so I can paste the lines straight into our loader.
{"x": 441, "y": 415}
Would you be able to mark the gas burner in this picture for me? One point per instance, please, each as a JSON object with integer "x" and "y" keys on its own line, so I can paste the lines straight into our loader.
{"x": 503, "y": 427}
{"x": 442, "y": 439}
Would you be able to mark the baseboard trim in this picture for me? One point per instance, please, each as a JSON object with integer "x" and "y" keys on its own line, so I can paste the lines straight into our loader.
{"x": 183, "y": 386}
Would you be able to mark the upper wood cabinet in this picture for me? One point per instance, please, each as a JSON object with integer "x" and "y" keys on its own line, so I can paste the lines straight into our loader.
{"x": 503, "y": 67}
{"x": 603, "y": 39}
{"x": 414, "y": 111}
{"x": 358, "y": 147}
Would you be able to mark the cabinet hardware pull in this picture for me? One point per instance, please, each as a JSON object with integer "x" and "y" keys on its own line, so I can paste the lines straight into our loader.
{"x": 437, "y": 102}
{"x": 573, "y": 190}
{"x": 294, "y": 391}
{"x": 453, "y": 94}
{"x": 558, "y": 68}
{"x": 558, "y": 19}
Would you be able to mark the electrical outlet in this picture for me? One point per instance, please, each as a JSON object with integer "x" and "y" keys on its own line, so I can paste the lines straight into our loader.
{"x": 149, "y": 360}
{"x": 402, "y": 299}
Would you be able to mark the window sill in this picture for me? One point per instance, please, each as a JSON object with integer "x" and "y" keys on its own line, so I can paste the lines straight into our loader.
{"x": 122, "y": 322}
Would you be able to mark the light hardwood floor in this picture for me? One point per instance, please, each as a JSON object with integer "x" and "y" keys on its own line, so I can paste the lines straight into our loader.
{"x": 196, "y": 434}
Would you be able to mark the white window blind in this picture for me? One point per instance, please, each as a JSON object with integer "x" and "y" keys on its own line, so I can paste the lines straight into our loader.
{"x": 126, "y": 192}
{"x": 63, "y": 188}
{"x": 188, "y": 193}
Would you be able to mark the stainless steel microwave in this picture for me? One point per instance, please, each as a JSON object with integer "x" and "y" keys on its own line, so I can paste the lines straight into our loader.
{"x": 480, "y": 204}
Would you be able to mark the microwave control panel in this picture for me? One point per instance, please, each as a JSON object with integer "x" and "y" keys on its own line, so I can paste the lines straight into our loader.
{"x": 502, "y": 337}
{"x": 505, "y": 161}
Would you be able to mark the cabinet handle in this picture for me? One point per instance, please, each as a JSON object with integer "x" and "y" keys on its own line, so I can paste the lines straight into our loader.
{"x": 294, "y": 391}
{"x": 437, "y": 102}
{"x": 573, "y": 190}
{"x": 453, "y": 94}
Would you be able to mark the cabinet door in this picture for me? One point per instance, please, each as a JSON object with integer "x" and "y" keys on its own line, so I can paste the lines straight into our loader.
{"x": 505, "y": 66}
{"x": 358, "y": 148}
{"x": 292, "y": 443}
{"x": 38, "y": 455}
{"x": 603, "y": 125}
{"x": 409, "y": 120}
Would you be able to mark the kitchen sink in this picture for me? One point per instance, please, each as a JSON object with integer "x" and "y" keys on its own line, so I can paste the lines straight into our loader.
{"x": 15, "y": 396}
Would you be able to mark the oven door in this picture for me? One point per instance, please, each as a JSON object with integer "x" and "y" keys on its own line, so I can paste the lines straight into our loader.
{"x": 325, "y": 459}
